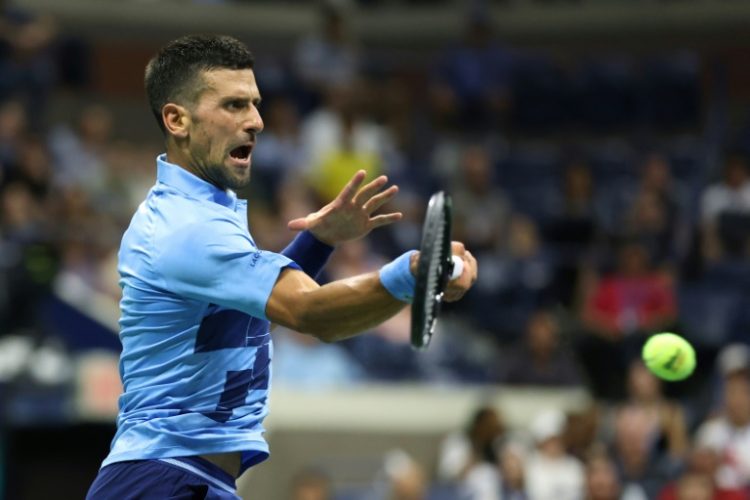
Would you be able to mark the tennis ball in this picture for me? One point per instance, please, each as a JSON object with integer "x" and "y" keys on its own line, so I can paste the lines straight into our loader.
{"x": 669, "y": 356}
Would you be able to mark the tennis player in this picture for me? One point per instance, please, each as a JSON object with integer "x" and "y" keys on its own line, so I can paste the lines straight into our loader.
{"x": 198, "y": 294}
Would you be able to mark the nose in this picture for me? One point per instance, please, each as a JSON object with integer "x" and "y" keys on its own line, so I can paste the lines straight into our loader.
{"x": 254, "y": 123}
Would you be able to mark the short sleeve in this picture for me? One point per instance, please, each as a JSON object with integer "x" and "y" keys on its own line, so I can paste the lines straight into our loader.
{"x": 216, "y": 261}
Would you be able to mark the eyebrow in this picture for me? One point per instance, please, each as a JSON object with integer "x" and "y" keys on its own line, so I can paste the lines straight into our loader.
{"x": 255, "y": 100}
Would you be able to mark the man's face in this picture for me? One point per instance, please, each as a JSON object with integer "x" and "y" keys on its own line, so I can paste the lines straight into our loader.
{"x": 223, "y": 128}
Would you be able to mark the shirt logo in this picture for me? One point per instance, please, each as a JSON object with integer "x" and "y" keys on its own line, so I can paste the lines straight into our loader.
{"x": 255, "y": 258}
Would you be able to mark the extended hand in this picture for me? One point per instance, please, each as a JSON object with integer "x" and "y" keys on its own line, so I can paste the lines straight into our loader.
{"x": 349, "y": 215}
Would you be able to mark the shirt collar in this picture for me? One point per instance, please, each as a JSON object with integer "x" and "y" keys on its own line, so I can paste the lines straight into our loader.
{"x": 179, "y": 178}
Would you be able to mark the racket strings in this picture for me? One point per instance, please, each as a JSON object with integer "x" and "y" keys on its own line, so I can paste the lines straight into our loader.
{"x": 434, "y": 276}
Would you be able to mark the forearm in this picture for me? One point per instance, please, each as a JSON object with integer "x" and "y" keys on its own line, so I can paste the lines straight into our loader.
{"x": 332, "y": 312}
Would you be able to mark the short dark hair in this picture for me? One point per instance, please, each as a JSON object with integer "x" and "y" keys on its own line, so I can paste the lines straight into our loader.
{"x": 173, "y": 73}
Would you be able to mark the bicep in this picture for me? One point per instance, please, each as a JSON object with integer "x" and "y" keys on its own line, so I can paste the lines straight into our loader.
{"x": 288, "y": 297}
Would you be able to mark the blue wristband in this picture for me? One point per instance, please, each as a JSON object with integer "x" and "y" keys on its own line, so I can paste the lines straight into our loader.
{"x": 308, "y": 252}
{"x": 397, "y": 278}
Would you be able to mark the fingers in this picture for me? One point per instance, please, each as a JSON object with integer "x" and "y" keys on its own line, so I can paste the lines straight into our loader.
{"x": 385, "y": 219}
{"x": 369, "y": 190}
{"x": 297, "y": 224}
{"x": 380, "y": 199}
{"x": 351, "y": 187}
{"x": 458, "y": 287}
{"x": 473, "y": 267}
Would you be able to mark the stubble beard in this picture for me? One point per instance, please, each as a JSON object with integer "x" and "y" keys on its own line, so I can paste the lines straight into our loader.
{"x": 229, "y": 180}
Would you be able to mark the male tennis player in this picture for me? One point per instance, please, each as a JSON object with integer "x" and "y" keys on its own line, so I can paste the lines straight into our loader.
{"x": 198, "y": 294}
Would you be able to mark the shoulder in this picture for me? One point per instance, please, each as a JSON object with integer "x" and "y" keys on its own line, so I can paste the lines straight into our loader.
{"x": 181, "y": 214}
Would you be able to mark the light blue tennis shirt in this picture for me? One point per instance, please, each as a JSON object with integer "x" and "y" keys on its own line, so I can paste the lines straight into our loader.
{"x": 195, "y": 339}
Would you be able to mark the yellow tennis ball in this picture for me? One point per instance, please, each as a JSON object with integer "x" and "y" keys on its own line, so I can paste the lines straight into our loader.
{"x": 669, "y": 356}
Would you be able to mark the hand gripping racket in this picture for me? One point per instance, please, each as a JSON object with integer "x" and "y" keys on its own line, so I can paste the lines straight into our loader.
{"x": 436, "y": 267}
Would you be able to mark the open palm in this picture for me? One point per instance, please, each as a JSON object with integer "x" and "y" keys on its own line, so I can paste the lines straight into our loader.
{"x": 350, "y": 215}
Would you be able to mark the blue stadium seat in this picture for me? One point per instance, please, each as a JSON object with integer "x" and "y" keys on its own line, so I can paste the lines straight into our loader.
{"x": 605, "y": 95}
{"x": 707, "y": 314}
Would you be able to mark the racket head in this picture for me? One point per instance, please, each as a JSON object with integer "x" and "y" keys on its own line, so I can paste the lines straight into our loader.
{"x": 434, "y": 268}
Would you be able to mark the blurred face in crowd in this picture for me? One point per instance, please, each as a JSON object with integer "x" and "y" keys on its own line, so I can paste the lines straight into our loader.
{"x": 642, "y": 385}
{"x": 737, "y": 400}
{"x": 542, "y": 335}
{"x": 409, "y": 484}
{"x": 695, "y": 487}
{"x": 656, "y": 175}
{"x": 601, "y": 480}
{"x": 578, "y": 182}
{"x": 487, "y": 427}
{"x": 95, "y": 124}
{"x": 477, "y": 168}
{"x": 735, "y": 172}
{"x": 704, "y": 460}
{"x": 511, "y": 467}
{"x": 216, "y": 133}
{"x": 633, "y": 260}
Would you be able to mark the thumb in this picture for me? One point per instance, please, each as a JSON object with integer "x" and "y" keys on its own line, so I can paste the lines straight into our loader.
{"x": 297, "y": 224}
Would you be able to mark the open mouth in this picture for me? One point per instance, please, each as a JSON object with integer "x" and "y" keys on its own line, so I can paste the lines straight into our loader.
{"x": 241, "y": 153}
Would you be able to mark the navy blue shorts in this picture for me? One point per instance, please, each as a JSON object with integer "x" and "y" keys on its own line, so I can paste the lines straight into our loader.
{"x": 183, "y": 478}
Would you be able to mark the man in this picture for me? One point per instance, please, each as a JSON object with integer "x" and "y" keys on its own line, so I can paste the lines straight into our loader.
{"x": 198, "y": 295}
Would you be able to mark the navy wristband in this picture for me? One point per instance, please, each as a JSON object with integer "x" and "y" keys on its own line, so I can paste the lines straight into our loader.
{"x": 308, "y": 252}
{"x": 397, "y": 278}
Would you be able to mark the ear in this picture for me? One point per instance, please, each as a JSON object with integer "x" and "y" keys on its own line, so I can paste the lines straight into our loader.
{"x": 176, "y": 120}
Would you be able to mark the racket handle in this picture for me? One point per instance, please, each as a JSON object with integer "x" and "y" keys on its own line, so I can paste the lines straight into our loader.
{"x": 458, "y": 267}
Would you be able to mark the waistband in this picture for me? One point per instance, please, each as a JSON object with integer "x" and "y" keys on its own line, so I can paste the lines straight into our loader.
{"x": 205, "y": 469}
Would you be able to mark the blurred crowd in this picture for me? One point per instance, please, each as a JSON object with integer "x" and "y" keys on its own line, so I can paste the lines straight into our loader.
{"x": 605, "y": 195}
{"x": 639, "y": 448}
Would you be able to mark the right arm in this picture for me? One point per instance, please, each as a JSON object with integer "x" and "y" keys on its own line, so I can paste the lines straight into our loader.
{"x": 333, "y": 311}
{"x": 343, "y": 308}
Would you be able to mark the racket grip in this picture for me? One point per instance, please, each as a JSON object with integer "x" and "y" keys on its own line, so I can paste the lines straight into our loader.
{"x": 458, "y": 267}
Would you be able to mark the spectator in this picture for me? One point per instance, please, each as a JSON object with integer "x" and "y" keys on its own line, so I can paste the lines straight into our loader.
{"x": 80, "y": 152}
{"x": 27, "y": 65}
{"x": 729, "y": 434}
{"x": 280, "y": 153}
{"x": 406, "y": 478}
{"x": 703, "y": 463}
{"x": 512, "y": 283}
{"x": 642, "y": 471}
{"x": 602, "y": 482}
{"x": 13, "y": 129}
{"x": 552, "y": 473}
{"x": 731, "y": 194}
{"x": 329, "y": 57}
{"x": 512, "y": 473}
{"x": 541, "y": 359}
{"x": 635, "y": 298}
{"x": 571, "y": 231}
{"x": 618, "y": 309}
{"x": 338, "y": 140}
{"x": 472, "y": 89}
{"x": 482, "y": 210}
{"x": 662, "y": 421}
{"x": 469, "y": 460}
{"x": 730, "y": 197}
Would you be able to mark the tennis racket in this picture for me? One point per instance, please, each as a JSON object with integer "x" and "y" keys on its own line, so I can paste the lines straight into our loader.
{"x": 436, "y": 267}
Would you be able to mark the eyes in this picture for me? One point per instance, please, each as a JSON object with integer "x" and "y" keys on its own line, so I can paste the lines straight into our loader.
{"x": 234, "y": 105}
